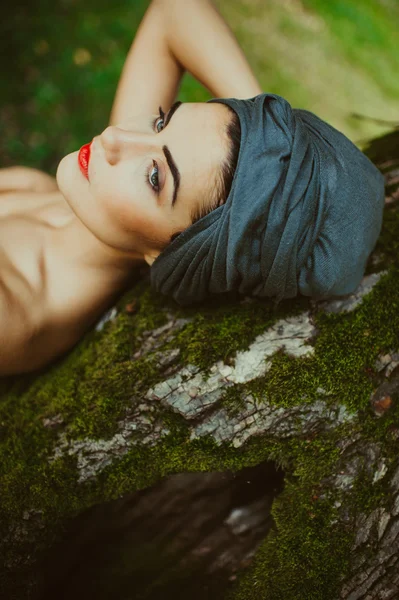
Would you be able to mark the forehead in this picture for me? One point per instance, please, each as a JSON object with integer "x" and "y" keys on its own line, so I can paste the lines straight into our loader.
{"x": 203, "y": 118}
{"x": 198, "y": 142}
{"x": 204, "y": 127}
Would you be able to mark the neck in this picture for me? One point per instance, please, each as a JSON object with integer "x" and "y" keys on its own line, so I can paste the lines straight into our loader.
{"x": 86, "y": 251}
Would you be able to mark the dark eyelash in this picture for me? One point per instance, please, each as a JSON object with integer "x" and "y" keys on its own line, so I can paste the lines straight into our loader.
{"x": 154, "y": 163}
{"x": 147, "y": 176}
{"x": 161, "y": 115}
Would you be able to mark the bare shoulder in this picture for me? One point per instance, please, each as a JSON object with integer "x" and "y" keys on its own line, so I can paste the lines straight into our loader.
{"x": 31, "y": 335}
{"x": 16, "y": 331}
{"x": 40, "y": 320}
{"x": 33, "y": 331}
{"x": 26, "y": 179}
{"x": 75, "y": 299}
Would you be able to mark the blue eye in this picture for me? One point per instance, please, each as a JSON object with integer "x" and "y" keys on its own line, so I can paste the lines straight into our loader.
{"x": 152, "y": 177}
{"x": 160, "y": 116}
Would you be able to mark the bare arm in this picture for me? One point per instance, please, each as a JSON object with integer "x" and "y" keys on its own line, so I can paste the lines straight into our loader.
{"x": 201, "y": 40}
{"x": 175, "y": 36}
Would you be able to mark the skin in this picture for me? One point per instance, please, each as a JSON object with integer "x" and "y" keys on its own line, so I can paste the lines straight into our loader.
{"x": 119, "y": 217}
{"x": 70, "y": 245}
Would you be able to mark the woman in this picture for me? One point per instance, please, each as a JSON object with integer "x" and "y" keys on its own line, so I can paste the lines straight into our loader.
{"x": 230, "y": 194}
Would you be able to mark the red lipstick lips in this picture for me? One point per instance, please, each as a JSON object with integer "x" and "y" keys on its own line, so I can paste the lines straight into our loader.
{"x": 83, "y": 159}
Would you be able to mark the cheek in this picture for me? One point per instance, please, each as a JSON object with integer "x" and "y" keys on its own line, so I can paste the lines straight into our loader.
{"x": 128, "y": 210}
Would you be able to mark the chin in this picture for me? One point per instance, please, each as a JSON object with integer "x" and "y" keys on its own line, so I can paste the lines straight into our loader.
{"x": 67, "y": 173}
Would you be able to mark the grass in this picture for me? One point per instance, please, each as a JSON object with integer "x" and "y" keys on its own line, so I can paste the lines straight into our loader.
{"x": 60, "y": 65}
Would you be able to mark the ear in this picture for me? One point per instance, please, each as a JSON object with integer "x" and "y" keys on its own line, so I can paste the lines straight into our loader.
{"x": 149, "y": 258}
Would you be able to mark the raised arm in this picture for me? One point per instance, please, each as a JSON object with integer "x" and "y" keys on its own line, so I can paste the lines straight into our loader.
{"x": 174, "y": 36}
{"x": 201, "y": 40}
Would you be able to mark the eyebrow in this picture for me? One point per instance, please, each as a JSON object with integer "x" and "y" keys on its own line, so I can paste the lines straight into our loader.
{"x": 169, "y": 158}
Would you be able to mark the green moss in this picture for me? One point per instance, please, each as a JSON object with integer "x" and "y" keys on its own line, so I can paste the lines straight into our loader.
{"x": 303, "y": 558}
{"x": 223, "y": 327}
{"x": 345, "y": 350}
{"x": 233, "y": 399}
{"x": 91, "y": 387}
{"x": 307, "y": 553}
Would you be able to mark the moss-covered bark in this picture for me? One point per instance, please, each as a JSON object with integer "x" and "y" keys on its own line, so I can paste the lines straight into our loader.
{"x": 311, "y": 386}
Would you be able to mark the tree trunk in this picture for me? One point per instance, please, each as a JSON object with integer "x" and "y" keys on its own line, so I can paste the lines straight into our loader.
{"x": 308, "y": 389}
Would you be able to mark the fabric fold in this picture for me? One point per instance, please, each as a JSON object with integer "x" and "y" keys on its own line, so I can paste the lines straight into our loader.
{"x": 302, "y": 216}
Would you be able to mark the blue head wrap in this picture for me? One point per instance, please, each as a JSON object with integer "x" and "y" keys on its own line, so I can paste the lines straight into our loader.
{"x": 303, "y": 213}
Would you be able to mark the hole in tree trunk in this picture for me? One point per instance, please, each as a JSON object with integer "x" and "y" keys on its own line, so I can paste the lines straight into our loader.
{"x": 187, "y": 536}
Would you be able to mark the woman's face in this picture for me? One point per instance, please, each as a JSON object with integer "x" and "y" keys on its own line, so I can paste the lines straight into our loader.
{"x": 128, "y": 201}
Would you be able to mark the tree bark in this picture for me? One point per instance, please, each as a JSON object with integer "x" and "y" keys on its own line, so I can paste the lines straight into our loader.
{"x": 157, "y": 391}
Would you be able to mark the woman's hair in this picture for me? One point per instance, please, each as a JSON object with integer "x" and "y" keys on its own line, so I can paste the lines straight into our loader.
{"x": 224, "y": 179}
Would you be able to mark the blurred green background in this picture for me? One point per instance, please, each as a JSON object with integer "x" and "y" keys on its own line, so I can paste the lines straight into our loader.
{"x": 61, "y": 61}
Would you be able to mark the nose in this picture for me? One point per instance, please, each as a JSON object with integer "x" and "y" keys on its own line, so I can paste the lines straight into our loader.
{"x": 118, "y": 142}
